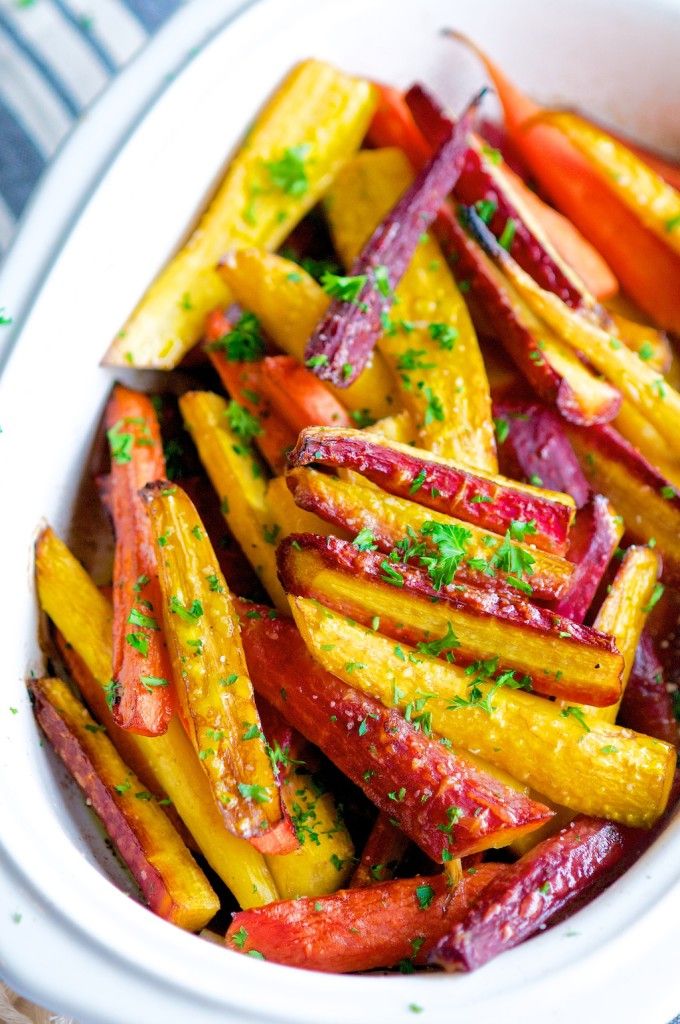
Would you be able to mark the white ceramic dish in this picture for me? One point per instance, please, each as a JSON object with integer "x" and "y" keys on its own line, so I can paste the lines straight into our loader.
{"x": 81, "y": 945}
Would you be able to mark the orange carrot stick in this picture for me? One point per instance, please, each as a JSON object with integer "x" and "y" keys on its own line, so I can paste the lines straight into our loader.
{"x": 385, "y": 847}
{"x": 646, "y": 268}
{"x": 243, "y": 380}
{"x": 140, "y": 657}
{"x": 299, "y": 397}
{"x": 360, "y": 929}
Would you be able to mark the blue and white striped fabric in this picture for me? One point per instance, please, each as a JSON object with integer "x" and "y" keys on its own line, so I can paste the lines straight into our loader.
{"x": 55, "y": 57}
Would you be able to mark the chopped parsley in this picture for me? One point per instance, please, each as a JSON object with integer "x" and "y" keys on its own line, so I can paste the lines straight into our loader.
{"x": 244, "y": 342}
{"x": 577, "y": 713}
{"x": 450, "y": 541}
{"x": 364, "y": 540}
{"x": 346, "y": 289}
{"x": 289, "y": 173}
{"x": 190, "y": 614}
{"x": 424, "y": 895}
{"x": 150, "y": 682}
{"x": 259, "y": 794}
{"x": 444, "y": 645}
{"x": 656, "y": 596}
{"x": 502, "y": 429}
{"x": 243, "y": 423}
{"x": 508, "y": 233}
{"x": 137, "y": 618}
{"x": 444, "y": 334}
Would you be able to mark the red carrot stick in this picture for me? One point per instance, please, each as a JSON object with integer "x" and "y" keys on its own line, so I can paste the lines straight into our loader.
{"x": 563, "y": 659}
{"x": 140, "y": 657}
{"x": 647, "y": 705}
{"x": 439, "y": 484}
{"x": 594, "y": 540}
{"x": 476, "y": 184}
{"x": 424, "y": 787}
{"x": 385, "y": 847}
{"x": 528, "y": 893}
{"x": 496, "y": 311}
{"x": 359, "y": 929}
{"x": 342, "y": 343}
{"x": 537, "y": 447}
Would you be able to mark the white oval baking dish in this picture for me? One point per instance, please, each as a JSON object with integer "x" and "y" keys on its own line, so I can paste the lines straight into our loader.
{"x": 81, "y": 945}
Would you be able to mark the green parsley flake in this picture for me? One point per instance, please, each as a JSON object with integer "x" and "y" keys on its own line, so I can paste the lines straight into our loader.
{"x": 289, "y": 173}
{"x": 424, "y": 895}
{"x": 243, "y": 423}
{"x": 244, "y": 342}
{"x": 259, "y": 794}
{"x": 190, "y": 614}
{"x": 346, "y": 289}
{"x": 576, "y": 713}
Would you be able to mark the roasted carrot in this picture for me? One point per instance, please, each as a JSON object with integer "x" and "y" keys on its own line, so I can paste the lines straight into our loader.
{"x": 171, "y": 882}
{"x": 243, "y": 381}
{"x": 139, "y": 651}
{"x": 554, "y": 372}
{"x": 644, "y": 192}
{"x": 396, "y": 525}
{"x": 534, "y": 740}
{"x": 84, "y": 616}
{"x": 411, "y": 777}
{"x": 636, "y": 381}
{"x": 443, "y": 485}
{"x": 323, "y": 861}
{"x": 641, "y": 262}
{"x": 300, "y": 398}
{"x": 648, "y": 502}
{"x": 214, "y": 689}
{"x": 561, "y": 658}
{"x": 393, "y": 125}
{"x": 594, "y": 541}
{"x": 479, "y": 184}
{"x": 518, "y": 902}
{"x": 360, "y": 929}
{"x": 313, "y": 122}
{"x": 537, "y": 448}
{"x": 647, "y": 706}
{"x": 428, "y": 342}
{"x": 570, "y": 244}
{"x": 342, "y": 343}
{"x": 384, "y": 849}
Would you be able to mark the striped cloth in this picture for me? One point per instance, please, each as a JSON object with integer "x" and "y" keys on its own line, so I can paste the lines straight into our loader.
{"x": 55, "y": 57}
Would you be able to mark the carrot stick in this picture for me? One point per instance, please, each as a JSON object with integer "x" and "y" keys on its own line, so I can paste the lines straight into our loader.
{"x": 440, "y": 484}
{"x": 343, "y": 341}
{"x": 555, "y": 373}
{"x": 518, "y": 902}
{"x": 562, "y": 658}
{"x": 385, "y": 847}
{"x": 646, "y": 268}
{"x": 477, "y": 184}
{"x": 360, "y": 929}
{"x": 243, "y": 381}
{"x": 423, "y": 786}
{"x": 537, "y": 447}
{"x": 171, "y": 882}
{"x": 568, "y": 241}
{"x": 298, "y": 397}
{"x": 647, "y": 705}
{"x": 139, "y": 650}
